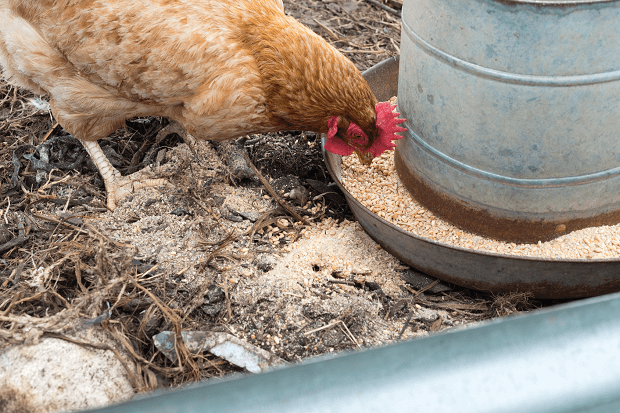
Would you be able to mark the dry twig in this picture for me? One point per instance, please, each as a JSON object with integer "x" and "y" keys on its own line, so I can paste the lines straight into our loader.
{"x": 273, "y": 193}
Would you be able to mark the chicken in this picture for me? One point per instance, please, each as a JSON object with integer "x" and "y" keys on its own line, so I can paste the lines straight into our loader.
{"x": 220, "y": 69}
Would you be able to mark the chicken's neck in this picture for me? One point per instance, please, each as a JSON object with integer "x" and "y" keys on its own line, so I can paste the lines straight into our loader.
{"x": 307, "y": 80}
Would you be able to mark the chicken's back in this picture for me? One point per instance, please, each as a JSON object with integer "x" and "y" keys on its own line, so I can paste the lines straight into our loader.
{"x": 105, "y": 61}
{"x": 221, "y": 68}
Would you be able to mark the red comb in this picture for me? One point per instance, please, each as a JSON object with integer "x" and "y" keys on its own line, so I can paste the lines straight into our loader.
{"x": 387, "y": 123}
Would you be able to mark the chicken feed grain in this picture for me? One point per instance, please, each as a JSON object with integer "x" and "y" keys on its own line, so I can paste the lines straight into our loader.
{"x": 390, "y": 200}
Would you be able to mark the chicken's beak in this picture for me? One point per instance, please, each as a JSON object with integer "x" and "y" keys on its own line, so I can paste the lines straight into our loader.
{"x": 360, "y": 150}
{"x": 364, "y": 157}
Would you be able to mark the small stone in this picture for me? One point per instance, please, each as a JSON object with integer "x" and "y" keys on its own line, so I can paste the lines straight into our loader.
{"x": 372, "y": 286}
{"x": 214, "y": 295}
{"x": 252, "y": 216}
{"x": 180, "y": 212}
{"x": 233, "y": 218}
{"x": 425, "y": 315}
{"x": 212, "y": 310}
{"x": 149, "y": 202}
{"x": 333, "y": 337}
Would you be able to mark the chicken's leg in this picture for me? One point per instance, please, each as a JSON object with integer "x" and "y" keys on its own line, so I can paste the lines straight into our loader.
{"x": 117, "y": 186}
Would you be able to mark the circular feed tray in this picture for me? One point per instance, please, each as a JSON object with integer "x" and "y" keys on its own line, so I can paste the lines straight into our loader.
{"x": 498, "y": 273}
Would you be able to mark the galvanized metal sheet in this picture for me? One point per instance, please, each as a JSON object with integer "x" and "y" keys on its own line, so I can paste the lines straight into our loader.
{"x": 498, "y": 273}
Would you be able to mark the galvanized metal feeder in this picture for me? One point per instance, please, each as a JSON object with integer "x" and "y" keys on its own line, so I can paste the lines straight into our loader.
{"x": 513, "y": 114}
{"x": 511, "y": 111}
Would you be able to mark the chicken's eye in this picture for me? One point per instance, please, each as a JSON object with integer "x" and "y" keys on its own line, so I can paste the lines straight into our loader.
{"x": 357, "y": 139}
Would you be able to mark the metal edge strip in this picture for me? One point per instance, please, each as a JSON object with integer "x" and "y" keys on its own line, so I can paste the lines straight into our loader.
{"x": 506, "y": 77}
{"x": 490, "y": 176}
{"x": 556, "y": 2}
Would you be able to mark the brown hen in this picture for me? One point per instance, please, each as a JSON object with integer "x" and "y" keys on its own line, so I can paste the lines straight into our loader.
{"x": 220, "y": 68}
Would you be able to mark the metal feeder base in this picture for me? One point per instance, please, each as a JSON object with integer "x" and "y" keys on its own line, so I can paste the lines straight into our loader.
{"x": 497, "y": 273}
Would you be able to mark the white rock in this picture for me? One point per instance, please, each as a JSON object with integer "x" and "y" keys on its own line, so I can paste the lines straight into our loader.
{"x": 58, "y": 375}
{"x": 426, "y": 315}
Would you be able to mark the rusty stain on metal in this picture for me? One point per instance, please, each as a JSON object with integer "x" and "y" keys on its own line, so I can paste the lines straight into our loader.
{"x": 480, "y": 221}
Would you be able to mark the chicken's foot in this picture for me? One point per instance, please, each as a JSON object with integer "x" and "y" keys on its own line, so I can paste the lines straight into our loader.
{"x": 117, "y": 186}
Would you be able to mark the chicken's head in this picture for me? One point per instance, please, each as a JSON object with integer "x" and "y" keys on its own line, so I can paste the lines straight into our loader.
{"x": 366, "y": 141}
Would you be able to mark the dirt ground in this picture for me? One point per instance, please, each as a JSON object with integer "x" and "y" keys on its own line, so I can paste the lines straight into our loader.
{"x": 211, "y": 251}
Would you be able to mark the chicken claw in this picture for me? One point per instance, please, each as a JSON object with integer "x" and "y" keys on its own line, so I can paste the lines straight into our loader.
{"x": 117, "y": 186}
